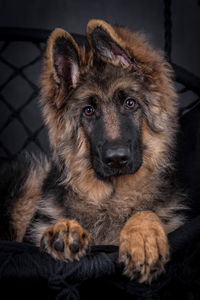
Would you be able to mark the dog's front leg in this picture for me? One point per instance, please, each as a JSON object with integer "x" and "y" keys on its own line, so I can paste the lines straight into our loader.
{"x": 65, "y": 240}
{"x": 143, "y": 247}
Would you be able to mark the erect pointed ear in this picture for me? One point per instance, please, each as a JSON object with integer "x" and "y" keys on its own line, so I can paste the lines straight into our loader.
{"x": 63, "y": 59}
{"x": 59, "y": 76}
{"x": 105, "y": 41}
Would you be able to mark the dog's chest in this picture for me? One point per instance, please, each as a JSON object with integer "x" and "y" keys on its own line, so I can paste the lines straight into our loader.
{"x": 104, "y": 221}
{"x": 104, "y": 226}
{"x": 105, "y": 218}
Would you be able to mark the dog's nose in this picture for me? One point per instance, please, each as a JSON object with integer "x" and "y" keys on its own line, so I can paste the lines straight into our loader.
{"x": 116, "y": 157}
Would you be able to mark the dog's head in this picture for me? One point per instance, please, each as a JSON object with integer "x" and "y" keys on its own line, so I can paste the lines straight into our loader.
{"x": 111, "y": 108}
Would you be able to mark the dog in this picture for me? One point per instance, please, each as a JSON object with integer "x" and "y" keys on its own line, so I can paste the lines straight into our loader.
{"x": 111, "y": 112}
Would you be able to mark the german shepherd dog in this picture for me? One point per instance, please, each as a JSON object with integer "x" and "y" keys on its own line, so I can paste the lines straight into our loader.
{"x": 111, "y": 111}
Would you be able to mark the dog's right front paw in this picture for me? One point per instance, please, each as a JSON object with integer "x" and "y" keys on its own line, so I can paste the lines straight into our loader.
{"x": 65, "y": 240}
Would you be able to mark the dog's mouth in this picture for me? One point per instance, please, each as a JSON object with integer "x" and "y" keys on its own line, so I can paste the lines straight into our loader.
{"x": 105, "y": 172}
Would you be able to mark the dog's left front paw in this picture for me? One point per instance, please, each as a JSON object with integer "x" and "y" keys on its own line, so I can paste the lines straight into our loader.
{"x": 143, "y": 247}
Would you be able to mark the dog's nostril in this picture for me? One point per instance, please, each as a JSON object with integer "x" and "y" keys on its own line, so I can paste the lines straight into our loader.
{"x": 108, "y": 162}
{"x": 116, "y": 160}
{"x": 124, "y": 159}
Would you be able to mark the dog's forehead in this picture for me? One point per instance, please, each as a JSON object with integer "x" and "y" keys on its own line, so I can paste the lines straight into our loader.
{"x": 105, "y": 82}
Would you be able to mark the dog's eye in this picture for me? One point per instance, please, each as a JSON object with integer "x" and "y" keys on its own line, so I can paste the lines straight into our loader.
{"x": 129, "y": 103}
{"x": 88, "y": 111}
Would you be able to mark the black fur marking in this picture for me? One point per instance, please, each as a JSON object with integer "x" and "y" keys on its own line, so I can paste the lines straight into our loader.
{"x": 51, "y": 189}
{"x": 13, "y": 176}
{"x": 39, "y": 217}
{"x": 129, "y": 140}
{"x": 52, "y": 186}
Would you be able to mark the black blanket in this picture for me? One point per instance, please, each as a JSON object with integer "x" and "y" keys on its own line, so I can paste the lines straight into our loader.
{"x": 27, "y": 273}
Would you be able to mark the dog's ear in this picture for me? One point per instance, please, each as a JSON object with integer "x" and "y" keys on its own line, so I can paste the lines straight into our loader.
{"x": 105, "y": 41}
{"x": 59, "y": 77}
{"x": 63, "y": 59}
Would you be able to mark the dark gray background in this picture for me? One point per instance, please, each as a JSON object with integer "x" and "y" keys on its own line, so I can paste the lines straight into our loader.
{"x": 139, "y": 15}
{"x": 143, "y": 15}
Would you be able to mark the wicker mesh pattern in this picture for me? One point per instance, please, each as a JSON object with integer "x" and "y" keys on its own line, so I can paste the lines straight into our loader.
{"x": 21, "y": 125}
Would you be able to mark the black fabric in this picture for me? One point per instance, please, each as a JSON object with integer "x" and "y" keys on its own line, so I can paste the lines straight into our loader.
{"x": 25, "y": 272}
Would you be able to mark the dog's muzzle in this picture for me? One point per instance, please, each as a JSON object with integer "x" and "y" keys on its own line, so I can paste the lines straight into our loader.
{"x": 115, "y": 159}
